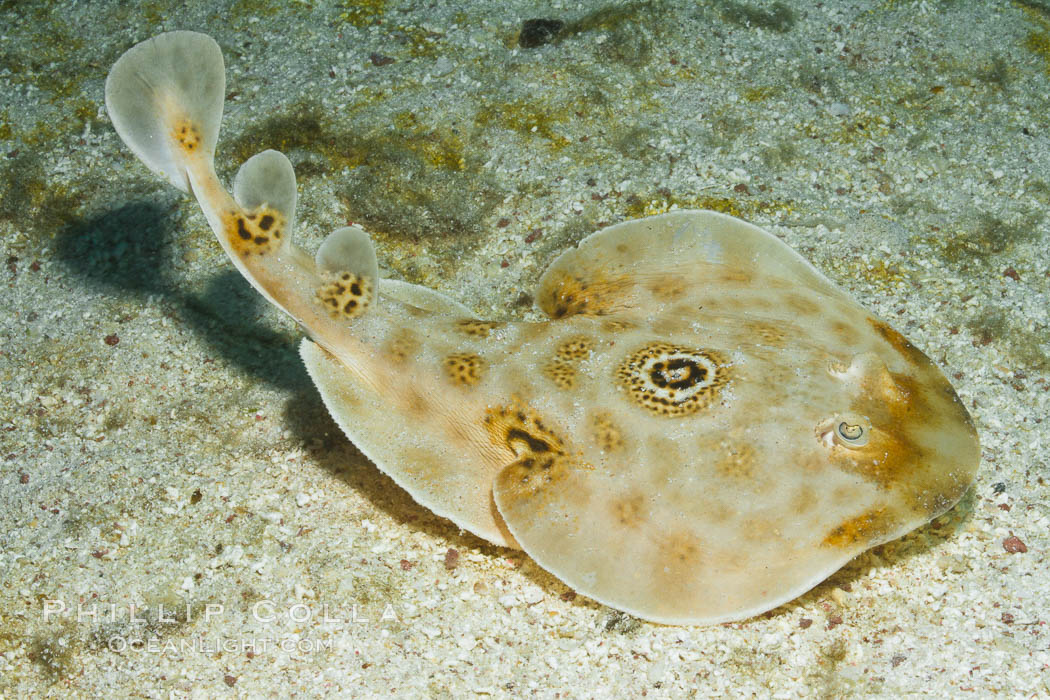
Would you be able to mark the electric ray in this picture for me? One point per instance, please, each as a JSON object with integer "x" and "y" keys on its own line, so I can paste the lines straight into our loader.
{"x": 705, "y": 427}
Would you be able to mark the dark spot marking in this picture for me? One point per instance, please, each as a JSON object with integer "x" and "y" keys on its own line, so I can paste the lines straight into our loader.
{"x": 673, "y": 381}
{"x": 534, "y": 443}
{"x": 678, "y": 373}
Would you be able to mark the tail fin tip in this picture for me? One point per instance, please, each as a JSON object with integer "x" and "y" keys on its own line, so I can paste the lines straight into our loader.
{"x": 164, "y": 96}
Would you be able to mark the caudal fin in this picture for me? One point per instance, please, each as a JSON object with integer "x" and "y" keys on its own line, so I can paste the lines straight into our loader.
{"x": 165, "y": 97}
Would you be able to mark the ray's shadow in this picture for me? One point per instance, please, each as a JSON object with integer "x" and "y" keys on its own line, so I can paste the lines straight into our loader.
{"x": 129, "y": 252}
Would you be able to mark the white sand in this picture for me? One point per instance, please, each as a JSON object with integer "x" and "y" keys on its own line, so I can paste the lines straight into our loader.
{"x": 190, "y": 465}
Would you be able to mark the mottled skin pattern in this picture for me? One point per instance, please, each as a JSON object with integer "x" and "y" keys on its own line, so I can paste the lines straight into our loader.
{"x": 704, "y": 429}
{"x": 346, "y": 295}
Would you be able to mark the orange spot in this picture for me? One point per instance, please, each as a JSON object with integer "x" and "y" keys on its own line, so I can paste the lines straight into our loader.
{"x": 572, "y": 296}
{"x": 561, "y": 374}
{"x": 346, "y": 295}
{"x": 902, "y": 345}
{"x": 245, "y": 233}
{"x": 187, "y": 135}
{"x": 520, "y": 429}
{"x": 605, "y": 432}
{"x": 668, "y": 288}
{"x": 629, "y": 511}
{"x": 846, "y": 333}
{"x": 673, "y": 381}
{"x": 576, "y": 348}
{"x": 801, "y": 304}
{"x": 866, "y": 528}
{"x": 476, "y": 328}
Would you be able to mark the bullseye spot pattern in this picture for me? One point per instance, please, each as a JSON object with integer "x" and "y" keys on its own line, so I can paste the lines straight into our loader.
{"x": 669, "y": 380}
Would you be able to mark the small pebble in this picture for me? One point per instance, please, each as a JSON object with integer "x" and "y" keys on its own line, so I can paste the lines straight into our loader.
{"x": 838, "y": 109}
{"x": 537, "y": 32}
{"x": 451, "y": 559}
{"x": 1014, "y": 545}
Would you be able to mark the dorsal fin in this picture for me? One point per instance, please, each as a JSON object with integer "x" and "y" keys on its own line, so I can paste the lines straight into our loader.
{"x": 347, "y": 262}
{"x": 267, "y": 181}
{"x": 348, "y": 249}
{"x": 630, "y": 268}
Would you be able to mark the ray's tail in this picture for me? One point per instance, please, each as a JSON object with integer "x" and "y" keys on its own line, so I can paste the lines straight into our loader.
{"x": 165, "y": 97}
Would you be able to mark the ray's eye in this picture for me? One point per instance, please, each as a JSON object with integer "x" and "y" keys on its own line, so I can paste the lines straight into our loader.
{"x": 848, "y": 430}
{"x": 851, "y": 432}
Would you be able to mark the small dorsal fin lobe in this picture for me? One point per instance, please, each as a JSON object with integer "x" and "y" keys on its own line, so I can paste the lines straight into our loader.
{"x": 267, "y": 181}
{"x": 348, "y": 249}
{"x": 346, "y": 261}
{"x": 161, "y": 86}
{"x": 622, "y": 270}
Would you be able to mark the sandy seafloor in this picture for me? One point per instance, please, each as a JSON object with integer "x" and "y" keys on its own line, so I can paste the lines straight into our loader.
{"x": 163, "y": 446}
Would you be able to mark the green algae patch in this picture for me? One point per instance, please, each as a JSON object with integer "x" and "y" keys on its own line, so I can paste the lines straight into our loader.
{"x": 396, "y": 174}
{"x": 777, "y": 17}
{"x": 362, "y": 13}
{"x": 639, "y": 206}
{"x": 6, "y": 132}
{"x": 1025, "y": 347}
{"x": 300, "y": 126}
{"x": 526, "y": 118}
{"x": 983, "y": 238}
{"x": 246, "y": 9}
{"x": 411, "y": 180}
{"x": 762, "y": 93}
{"x": 1038, "y": 41}
{"x": 30, "y": 203}
{"x": 55, "y": 654}
{"x": 1039, "y": 44}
